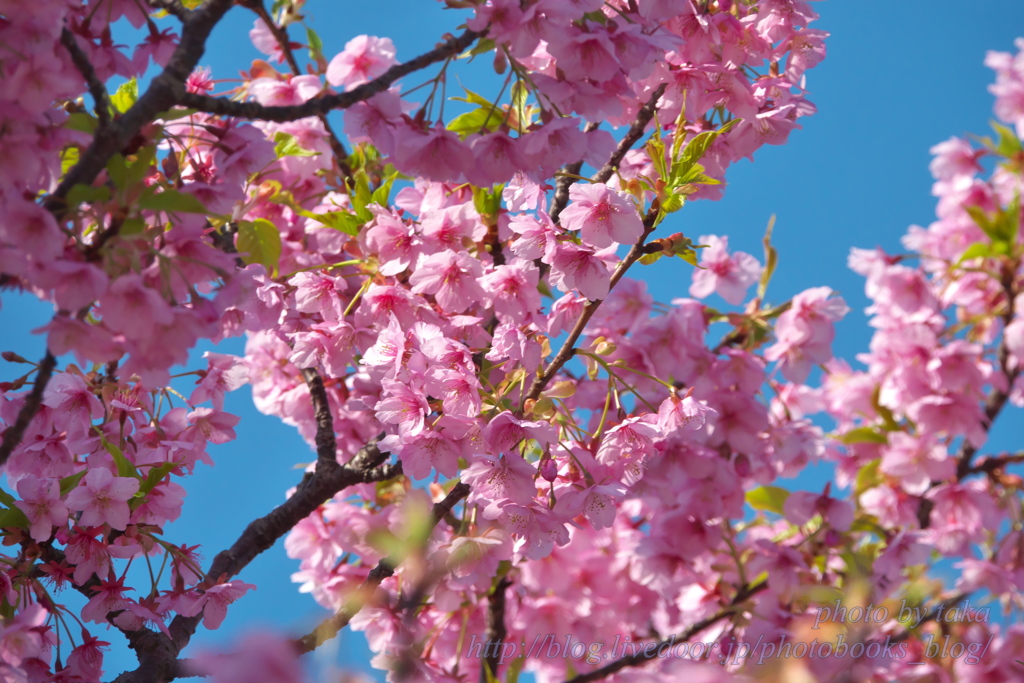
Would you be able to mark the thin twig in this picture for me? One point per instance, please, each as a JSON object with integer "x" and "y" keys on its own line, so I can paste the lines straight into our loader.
{"x": 281, "y": 36}
{"x": 635, "y": 132}
{"x": 326, "y": 103}
{"x": 163, "y": 93}
{"x": 992, "y": 463}
{"x": 931, "y": 616}
{"x": 568, "y": 349}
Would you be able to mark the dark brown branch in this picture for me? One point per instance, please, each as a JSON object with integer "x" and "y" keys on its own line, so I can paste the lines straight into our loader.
{"x": 649, "y": 653}
{"x": 994, "y": 463}
{"x": 13, "y": 434}
{"x": 164, "y": 92}
{"x": 96, "y": 88}
{"x": 326, "y": 103}
{"x": 496, "y": 631}
{"x": 262, "y": 533}
{"x": 384, "y": 569}
{"x": 326, "y": 443}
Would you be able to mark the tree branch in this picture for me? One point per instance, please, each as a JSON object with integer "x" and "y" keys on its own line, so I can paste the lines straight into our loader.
{"x": 384, "y": 569}
{"x": 649, "y": 653}
{"x": 326, "y": 103}
{"x": 261, "y": 534}
{"x": 568, "y": 349}
{"x": 992, "y": 463}
{"x": 99, "y": 93}
{"x": 326, "y": 443}
{"x": 281, "y": 36}
{"x": 164, "y": 92}
{"x": 13, "y": 434}
{"x": 496, "y": 631}
{"x": 635, "y": 132}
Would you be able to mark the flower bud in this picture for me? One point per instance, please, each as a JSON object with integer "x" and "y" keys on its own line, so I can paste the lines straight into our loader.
{"x": 549, "y": 470}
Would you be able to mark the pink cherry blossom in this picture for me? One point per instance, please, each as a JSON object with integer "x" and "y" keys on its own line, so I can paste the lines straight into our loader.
{"x": 363, "y": 59}
{"x": 602, "y": 215}
{"x": 728, "y": 276}
{"x": 41, "y": 503}
{"x": 452, "y": 277}
{"x": 102, "y": 498}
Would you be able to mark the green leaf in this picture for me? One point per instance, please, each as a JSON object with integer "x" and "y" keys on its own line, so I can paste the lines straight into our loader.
{"x": 648, "y": 259}
{"x": 515, "y": 667}
{"x": 124, "y": 466}
{"x": 471, "y": 122}
{"x": 487, "y": 202}
{"x": 316, "y": 46}
{"x": 117, "y": 171}
{"x": 868, "y": 477}
{"x": 132, "y": 226}
{"x": 125, "y": 96}
{"x": 673, "y": 203}
{"x": 361, "y": 197}
{"x": 82, "y": 122}
{"x": 171, "y": 201}
{"x": 685, "y": 249}
{"x": 473, "y": 98}
{"x": 69, "y": 484}
{"x": 286, "y": 145}
{"x": 175, "y": 113}
{"x": 485, "y": 45}
{"x": 656, "y": 151}
{"x": 259, "y": 241}
{"x": 1002, "y": 226}
{"x": 888, "y": 419}
{"x": 771, "y": 259}
{"x": 683, "y": 163}
{"x": 864, "y": 435}
{"x": 68, "y": 158}
{"x": 1009, "y": 144}
{"x": 6, "y": 498}
{"x": 145, "y": 158}
{"x": 80, "y": 194}
{"x": 976, "y": 250}
{"x": 13, "y": 517}
{"x": 770, "y": 498}
{"x": 155, "y": 476}
{"x": 344, "y": 221}
{"x": 382, "y": 195}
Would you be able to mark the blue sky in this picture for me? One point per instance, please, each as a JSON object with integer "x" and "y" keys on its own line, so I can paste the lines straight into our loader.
{"x": 899, "y": 78}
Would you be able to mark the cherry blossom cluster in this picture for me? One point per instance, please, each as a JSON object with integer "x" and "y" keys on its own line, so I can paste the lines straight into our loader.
{"x": 512, "y": 436}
